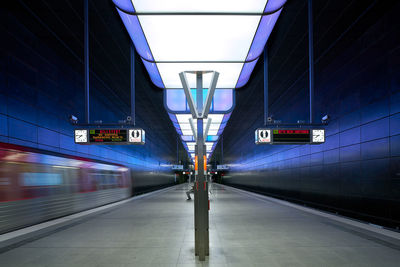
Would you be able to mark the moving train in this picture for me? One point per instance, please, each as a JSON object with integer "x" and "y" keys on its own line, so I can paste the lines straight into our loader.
{"x": 36, "y": 186}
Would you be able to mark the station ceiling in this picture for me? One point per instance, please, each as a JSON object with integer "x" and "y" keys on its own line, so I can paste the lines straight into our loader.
{"x": 109, "y": 51}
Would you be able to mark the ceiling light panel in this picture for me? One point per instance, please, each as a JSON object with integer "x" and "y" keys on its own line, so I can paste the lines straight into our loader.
{"x": 187, "y": 132}
{"x": 222, "y": 38}
{"x": 199, "y": 6}
{"x": 175, "y": 100}
{"x": 229, "y": 73}
{"x": 173, "y": 36}
{"x": 216, "y": 118}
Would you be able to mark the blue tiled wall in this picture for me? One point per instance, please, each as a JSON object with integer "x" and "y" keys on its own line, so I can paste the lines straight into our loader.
{"x": 356, "y": 172}
{"x": 38, "y": 91}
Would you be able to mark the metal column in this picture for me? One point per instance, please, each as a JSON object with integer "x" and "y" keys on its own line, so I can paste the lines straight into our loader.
{"x": 265, "y": 85}
{"x": 201, "y": 191}
{"x": 133, "y": 87}
{"x": 177, "y": 150}
{"x": 86, "y": 58}
{"x": 222, "y": 149}
{"x": 311, "y": 57}
{"x": 201, "y": 224}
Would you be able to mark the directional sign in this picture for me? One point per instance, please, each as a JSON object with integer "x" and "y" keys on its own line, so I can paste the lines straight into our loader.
{"x": 177, "y": 167}
{"x": 136, "y": 136}
{"x": 289, "y": 136}
{"x": 110, "y": 136}
{"x": 263, "y": 136}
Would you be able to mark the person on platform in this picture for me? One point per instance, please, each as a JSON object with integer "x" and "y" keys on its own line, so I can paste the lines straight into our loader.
{"x": 190, "y": 191}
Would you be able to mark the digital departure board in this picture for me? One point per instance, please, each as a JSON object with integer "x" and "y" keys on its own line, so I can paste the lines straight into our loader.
{"x": 289, "y": 136}
{"x": 110, "y": 136}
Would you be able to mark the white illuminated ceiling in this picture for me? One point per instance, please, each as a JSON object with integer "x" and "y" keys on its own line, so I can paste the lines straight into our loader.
{"x": 206, "y": 35}
{"x": 199, "y": 38}
{"x": 199, "y": 6}
{"x": 184, "y": 124}
{"x": 229, "y": 73}
{"x": 174, "y": 36}
{"x": 183, "y": 120}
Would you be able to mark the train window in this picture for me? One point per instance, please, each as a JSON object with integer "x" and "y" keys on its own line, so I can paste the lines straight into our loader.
{"x": 9, "y": 188}
{"x": 40, "y": 179}
{"x": 104, "y": 179}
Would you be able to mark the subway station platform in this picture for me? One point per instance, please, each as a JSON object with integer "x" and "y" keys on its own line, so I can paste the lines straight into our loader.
{"x": 245, "y": 230}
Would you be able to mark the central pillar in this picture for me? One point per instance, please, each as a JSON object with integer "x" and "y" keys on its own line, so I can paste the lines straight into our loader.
{"x": 201, "y": 190}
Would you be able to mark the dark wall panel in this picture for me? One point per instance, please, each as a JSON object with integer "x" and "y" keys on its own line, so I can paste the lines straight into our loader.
{"x": 356, "y": 172}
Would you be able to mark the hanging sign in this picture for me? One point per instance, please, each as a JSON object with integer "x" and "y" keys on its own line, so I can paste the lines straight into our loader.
{"x": 282, "y": 136}
{"x": 110, "y": 136}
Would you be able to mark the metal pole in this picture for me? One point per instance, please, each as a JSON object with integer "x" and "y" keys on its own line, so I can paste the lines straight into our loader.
{"x": 201, "y": 198}
{"x": 265, "y": 85}
{"x": 311, "y": 57}
{"x": 86, "y": 57}
{"x": 177, "y": 150}
{"x": 133, "y": 87}
{"x": 222, "y": 149}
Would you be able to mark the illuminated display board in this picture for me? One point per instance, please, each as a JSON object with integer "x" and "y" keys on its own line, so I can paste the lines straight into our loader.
{"x": 289, "y": 136}
{"x": 110, "y": 136}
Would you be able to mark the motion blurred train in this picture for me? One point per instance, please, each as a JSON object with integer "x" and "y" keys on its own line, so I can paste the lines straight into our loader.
{"x": 36, "y": 186}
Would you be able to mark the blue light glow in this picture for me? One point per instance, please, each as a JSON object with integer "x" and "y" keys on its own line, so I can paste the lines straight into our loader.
{"x": 175, "y": 100}
{"x": 125, "y": 5}
{"x": 135, "y": 31}
{"x": 233, "y": 66}
{"x": 223, "y": 100}
{"x": 173, "y": 117}
{"x": 245, "y": 74}
{"x": 235, "y": 61}
{"x": 153, "y": 72}
{"x": 274, "y": 5}
{"x": 264, "y": 30}
{"x": 187, "y": 138}
{"x": 212, "y": 138}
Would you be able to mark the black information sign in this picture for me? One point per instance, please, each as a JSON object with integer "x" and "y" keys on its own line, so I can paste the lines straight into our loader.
{"x": 291, "y": 136}
{"x": 134, "y": 136}
{"x": 281, "y": 136}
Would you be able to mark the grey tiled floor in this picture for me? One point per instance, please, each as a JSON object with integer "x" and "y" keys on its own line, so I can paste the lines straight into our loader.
{"x": 244, "y": 231}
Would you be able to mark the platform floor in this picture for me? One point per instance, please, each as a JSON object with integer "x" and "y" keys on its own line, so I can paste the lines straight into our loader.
{"x": 244, "y": 231}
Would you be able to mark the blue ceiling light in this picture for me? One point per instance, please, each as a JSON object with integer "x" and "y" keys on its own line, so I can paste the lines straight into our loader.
{"x": 246, "y": 72}
{"x": 182, "y": 126}
{"x": 222, "y": 105}
{"x": 175, "y": 101}
{"x": 179, "y": 36}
